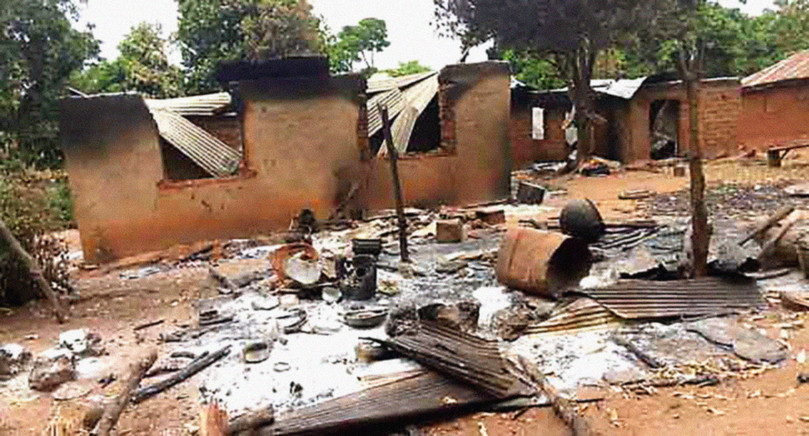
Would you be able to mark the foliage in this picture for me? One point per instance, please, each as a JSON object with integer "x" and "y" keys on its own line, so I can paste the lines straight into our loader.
{"x": 142, "y": 66}
{"x": 533, "y": 70}
{"x": 569, "y": 34}
{"x": 25, "y": 209}
{"x": 280, "y": 28}
{"x": 39, "y": 49}
{"x": 145, "y": 63}
{"x": 731, "y": 43}
{"x": 211, "y": 31}
{"x": 408, "y": 68}
{"x": 359, "y": 43}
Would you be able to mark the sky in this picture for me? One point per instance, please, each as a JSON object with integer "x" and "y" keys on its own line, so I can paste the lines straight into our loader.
{"x": 410, "y": 29}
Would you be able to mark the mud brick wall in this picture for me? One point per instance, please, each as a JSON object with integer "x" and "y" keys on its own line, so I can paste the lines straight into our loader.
{"x": 527, "y": 150}
{"x": 301, "y": 151}
{"x": 719, "y": 112}
{"x": 774, "y": 116}
{"x": 473, "y": 164}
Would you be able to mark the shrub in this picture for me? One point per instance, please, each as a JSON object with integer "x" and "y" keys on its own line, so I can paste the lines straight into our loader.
{"x": 26, "y": 209}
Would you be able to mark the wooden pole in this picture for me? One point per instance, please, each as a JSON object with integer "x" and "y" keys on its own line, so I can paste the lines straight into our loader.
{"x": 761, "y": 228}
{"x": 112, "y": 412}
{"x": 185, "y": 373}
{"x": 393, "y": 155}
{"x": 35, "y": 271}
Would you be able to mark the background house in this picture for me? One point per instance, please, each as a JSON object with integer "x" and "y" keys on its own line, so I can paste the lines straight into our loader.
{"x": 648, "y": 118}
{"x": 776, "y": 104}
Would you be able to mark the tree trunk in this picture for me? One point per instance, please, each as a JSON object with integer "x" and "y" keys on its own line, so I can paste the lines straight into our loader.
{"x": 583, "y": 61}
{"x": 701, "y": 232}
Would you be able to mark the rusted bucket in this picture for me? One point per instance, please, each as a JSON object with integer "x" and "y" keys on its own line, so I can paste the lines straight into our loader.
{"x": 541, "y": 263}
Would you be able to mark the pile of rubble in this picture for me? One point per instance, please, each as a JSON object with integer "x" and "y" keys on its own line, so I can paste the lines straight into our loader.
{"x": 475, "y": 314}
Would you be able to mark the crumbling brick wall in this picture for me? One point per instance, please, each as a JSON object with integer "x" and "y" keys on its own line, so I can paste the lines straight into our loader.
{"x": 719, "y": 111}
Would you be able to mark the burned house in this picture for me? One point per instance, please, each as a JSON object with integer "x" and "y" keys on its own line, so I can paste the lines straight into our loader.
{"x": 288, "y": 136}
{"x": 648, "y": 118}
{"x": 775, "y": 109}
{"x": 537, "y": 120}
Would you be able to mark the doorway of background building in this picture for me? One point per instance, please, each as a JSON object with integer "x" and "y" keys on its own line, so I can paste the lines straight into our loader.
{"x": 664, "y": 119}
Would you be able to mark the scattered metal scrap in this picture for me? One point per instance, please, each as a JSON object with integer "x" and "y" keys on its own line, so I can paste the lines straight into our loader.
{"x": 746, "y": 343}
{"x": 642, "y": 299}
{"x": 580, "y": 314}
{"x": 405, "y": 399}
{"x": 462, "y": 356}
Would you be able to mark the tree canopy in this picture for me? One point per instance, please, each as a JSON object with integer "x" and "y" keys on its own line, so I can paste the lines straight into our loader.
{"x": 210, "y": 31}
{"x": 407, "y": 68}
{"x": 39, "y": 49}
{"x": 360, "y": 43}
{"x": 568, "y": 33}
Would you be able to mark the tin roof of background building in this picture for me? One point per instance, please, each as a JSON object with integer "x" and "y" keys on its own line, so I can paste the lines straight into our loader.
{"x": 795, "y": 67}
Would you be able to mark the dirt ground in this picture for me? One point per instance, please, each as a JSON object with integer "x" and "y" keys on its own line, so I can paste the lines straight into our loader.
{"x": 772, "y": 403}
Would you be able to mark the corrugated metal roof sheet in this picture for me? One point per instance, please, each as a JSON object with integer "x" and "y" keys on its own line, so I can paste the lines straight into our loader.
{"x": 211, "y": 154}
{"x": 382, "y": 84}
{"x": 426, "y": 394}
{"x": 199, "y": 105}
{"x": 460, "y": 355}
{"x": 581, "y": 314}
{"x": 641, "y": 299}
{"x": 393, "y": 99}
{"x": 622, "y": 88}
{"x": 417, "y": 98}
{"x": 793, "y": 68}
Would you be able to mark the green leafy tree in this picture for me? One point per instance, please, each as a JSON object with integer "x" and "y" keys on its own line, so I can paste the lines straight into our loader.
{"x": 280, "y": 28}
{"x": 792, "y": 25}
{"x": 142, "y": 66}
{"x": 359, "y": 44}
{"x": 568, "y": 33}
{"x": 532, "y": 70}
{"x": 211, "y": 31}
{"x": 145, "y": 63}
{"x": 39, "y": 49}
{"x": 408, "y": 68}
{"x": 103, "y": 77}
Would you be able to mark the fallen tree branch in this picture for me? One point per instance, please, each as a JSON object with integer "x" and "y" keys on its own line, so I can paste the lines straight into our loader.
{"x": 185, "y": 373}
{"x": 36, "y": 273}
{"x": 771, "y": 221}
{"x": 113, "y": 411}
{"x": 148, "y": 324}
{"x": 769, "y": 248}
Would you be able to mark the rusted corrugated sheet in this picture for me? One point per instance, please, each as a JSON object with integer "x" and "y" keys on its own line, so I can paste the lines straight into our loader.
{"x": 393, "y": 99}
{"x": 462, "y": 356}
{"x": 199, "y": 105}
{"x": 417, "y": 97}
{"x": 427, "y": 394}
{"x": 641, "y": 299}
{"x": 211, "y": 154}
{"x": 581, "y": 314}
{"x": 793, "y": 68}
